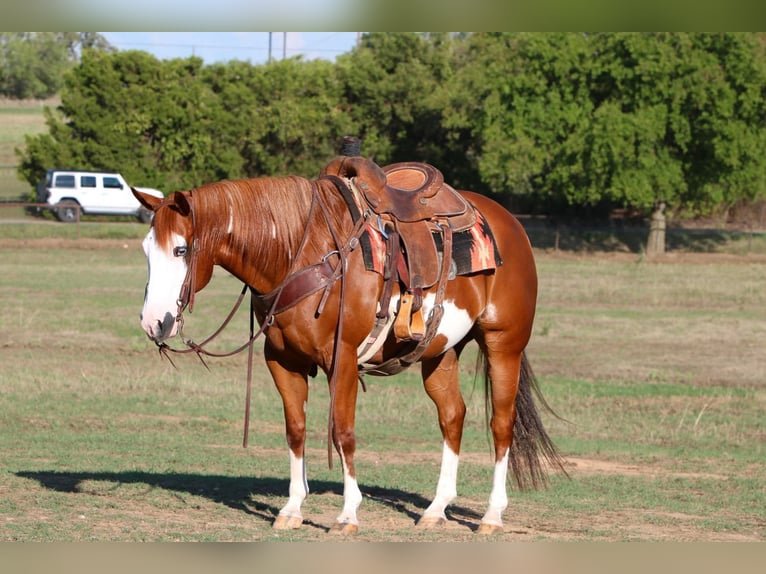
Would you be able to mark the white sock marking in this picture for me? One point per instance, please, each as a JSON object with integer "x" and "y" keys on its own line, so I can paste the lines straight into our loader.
{"x": 446, "y": 488}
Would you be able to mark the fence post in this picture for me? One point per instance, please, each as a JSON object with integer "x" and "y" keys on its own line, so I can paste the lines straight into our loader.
{"x": 655, "y": 244}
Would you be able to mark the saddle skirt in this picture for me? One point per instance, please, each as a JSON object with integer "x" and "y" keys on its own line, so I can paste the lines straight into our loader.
{"x": 473, "y": 249}
{"x": 413, "y": 198}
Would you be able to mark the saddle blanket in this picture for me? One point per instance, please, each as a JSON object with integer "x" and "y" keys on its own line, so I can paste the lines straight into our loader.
{"x": 473, "y": 250}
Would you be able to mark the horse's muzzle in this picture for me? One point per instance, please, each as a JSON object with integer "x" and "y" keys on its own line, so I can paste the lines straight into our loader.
{"x": 159, "y": 331}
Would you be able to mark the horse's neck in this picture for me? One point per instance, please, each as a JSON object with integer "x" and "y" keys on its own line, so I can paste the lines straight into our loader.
{"x": 262, "y": 249}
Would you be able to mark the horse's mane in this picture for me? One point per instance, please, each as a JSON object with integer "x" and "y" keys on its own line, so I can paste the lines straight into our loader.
{"x": 262, "y": 218}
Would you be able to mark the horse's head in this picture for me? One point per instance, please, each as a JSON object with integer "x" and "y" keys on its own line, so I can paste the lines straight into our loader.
{"x": 170, "y": 252}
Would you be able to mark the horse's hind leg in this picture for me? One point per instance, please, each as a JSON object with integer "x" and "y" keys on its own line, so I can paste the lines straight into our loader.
{"x": 504, "y": 370}
{"x": 441, "y": 380}
{"x": 293, "y": 388}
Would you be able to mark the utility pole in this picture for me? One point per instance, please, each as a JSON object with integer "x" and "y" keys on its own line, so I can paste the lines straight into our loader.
{"x": 284, "y": 45}
{"x": 270, "y": 33}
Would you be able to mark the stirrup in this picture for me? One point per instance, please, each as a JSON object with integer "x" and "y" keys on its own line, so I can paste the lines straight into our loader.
{"x": 409, "y": 326}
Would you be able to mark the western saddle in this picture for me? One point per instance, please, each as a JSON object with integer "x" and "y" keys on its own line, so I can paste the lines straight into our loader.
{"x": 414, "y": 207}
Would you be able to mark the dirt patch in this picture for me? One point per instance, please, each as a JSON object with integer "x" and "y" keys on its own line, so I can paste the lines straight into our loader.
{"x": 576, "y": 465}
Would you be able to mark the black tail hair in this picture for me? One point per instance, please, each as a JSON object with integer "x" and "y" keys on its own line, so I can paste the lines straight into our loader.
{"x": 532, "y": 450}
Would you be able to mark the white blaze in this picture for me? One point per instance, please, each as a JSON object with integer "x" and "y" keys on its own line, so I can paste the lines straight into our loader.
{"x": 166, "y": 275}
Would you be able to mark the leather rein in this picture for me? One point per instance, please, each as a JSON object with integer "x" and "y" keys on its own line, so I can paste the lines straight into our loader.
{"x": 296, "y": 286}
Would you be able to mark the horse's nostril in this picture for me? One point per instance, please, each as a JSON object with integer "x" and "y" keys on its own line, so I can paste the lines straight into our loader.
{"x": 163, "y": 328}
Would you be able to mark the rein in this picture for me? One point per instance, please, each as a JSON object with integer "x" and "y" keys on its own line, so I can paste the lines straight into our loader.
{"x": 198, "y": 348}
{"x": 297, "y": 285}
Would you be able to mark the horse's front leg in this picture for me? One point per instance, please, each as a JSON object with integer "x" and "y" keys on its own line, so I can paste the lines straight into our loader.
{"x": 293, "y": 388}
{"x": 441, "y": 381}
{"x": 344, "y": 438}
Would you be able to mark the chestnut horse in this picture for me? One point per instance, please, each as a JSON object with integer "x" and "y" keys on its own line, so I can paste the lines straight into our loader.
{"x": 266, "y": 231}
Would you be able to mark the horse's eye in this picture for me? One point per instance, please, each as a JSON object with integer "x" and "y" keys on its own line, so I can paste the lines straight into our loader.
{"x": 180, "y": 251}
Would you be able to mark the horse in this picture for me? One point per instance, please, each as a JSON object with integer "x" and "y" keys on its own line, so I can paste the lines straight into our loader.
{"x": 295, "y": 244}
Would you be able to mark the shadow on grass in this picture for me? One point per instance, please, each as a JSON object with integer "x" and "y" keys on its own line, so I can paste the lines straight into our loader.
{"x": 245, "y": 494}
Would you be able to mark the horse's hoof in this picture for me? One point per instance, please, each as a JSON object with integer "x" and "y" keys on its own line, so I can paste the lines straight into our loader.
{"x": 489, "y": 529}
{"x": 344, "y": 528}
{"x": 284, "y": 522}
{"x": 429, "y": 522}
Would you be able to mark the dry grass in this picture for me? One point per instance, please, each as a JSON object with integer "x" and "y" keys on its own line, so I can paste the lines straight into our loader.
{"x": 700, "y": 320}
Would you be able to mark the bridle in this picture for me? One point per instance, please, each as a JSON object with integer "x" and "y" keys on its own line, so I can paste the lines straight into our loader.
{"x": 298, "y": 284}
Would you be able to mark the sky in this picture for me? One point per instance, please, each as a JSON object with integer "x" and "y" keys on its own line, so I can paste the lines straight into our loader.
{"x": 225, "y": 46}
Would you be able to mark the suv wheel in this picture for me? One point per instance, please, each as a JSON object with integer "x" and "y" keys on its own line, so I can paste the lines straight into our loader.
{"x": 68, "y": 211}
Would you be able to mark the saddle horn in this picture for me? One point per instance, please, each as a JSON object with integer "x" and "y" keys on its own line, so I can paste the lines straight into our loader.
{"x": 351, "y": 146}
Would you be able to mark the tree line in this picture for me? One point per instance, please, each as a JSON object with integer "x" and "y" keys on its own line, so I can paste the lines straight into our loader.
{"x": 33, "y": 64}
{"x": 546, "y": 123}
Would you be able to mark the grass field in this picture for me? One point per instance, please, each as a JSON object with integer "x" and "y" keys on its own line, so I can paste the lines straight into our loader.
{"x": 657, "y": 367}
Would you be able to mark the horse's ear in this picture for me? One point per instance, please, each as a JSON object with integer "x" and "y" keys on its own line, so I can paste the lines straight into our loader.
{"x": 181, "y": 203}
{"x": 148, "y": 201}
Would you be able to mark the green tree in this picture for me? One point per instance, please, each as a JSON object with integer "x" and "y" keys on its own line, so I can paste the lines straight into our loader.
{"x": 177, "y": 124}
{"x": 520, "y": 99}
{"x": 641, "y": 120}
{"x": 33, "y": 64}
{"x": 394, "y": 85}
{"x": 543, "y": 121}
{"x": 679, "y": 119}
{"x": 284, "y": 117}
{"x": 132, "y": 113}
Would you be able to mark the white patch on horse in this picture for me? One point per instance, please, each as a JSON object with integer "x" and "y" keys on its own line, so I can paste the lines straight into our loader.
{"x": 498, "y": 498}
{"x": 352, "y": 496}
{"x": 230, "y": 228}
{"x": 446, "y": 488}
{"x": 455, "y": 323}
{"x": 166, "y": 275}
{"x": 299, "y": 487}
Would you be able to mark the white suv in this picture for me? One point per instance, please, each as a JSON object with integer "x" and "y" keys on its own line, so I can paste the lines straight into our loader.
{"x": 71, "y": 193}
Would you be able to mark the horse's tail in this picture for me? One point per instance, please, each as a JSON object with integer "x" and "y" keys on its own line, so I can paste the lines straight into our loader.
{"x": 532, "y": 451}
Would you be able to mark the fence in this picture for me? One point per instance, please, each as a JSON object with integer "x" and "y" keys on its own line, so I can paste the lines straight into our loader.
{"x": 630, "y": 236}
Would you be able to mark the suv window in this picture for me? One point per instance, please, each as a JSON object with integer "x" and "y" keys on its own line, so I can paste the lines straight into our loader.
{"x": 88, "y": 181}
{"x": 64, "y": 181}
{"x": 112, "y": 182}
